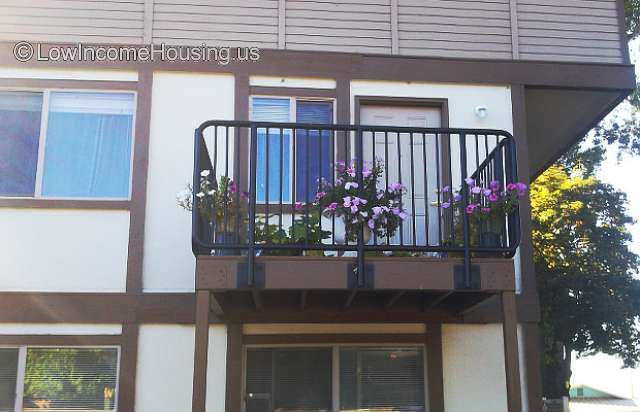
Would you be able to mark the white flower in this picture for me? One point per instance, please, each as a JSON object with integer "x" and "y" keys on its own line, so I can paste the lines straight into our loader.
{"x": 211, "y": 192}
{"x": 205, "y": 173}
{"x": 200, "y": 195}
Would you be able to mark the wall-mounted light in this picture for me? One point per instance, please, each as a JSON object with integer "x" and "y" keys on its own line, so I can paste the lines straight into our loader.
{"x": 481, "y": 111}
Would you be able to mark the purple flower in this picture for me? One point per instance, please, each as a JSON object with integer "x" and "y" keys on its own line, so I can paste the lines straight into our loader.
{"x": 371, "y": 223}
{"x": 511, "y": 187}
{"x": 347, "y": 201}
{"x": 332, "y": 207}
{"x": 396, "y": 187}
{"x": 476, "y": 190}
{"x": 487, "y": 192}
{"x": 446, "y": 189}
{"x": 522, "y": 188}
{"x": 232, "y": 187}
{"x": 471, "y": 208}
{"x": 351, "y": 172}
{"x": 320, "y": 195}
{"x": 244, "y": 195}
{"x": 470, "y": 181}
{"x": 366, "y": 173}
{"x": 494, "y": 185}
{"x": 493, "y": 197}
{"x": 485, "y": 210}
{"x": 457, "y": 198}
{"x": 446, "y": 205}
{"x": 377, "y": 211}
{"x": 299, "y": 206}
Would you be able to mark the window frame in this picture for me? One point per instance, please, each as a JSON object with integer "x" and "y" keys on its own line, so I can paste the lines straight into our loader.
{"x": 42, "y": 141}
{"x": 22, "y": 366}
{"x": 293, "y": 99}
{"x": 335, "y": 365}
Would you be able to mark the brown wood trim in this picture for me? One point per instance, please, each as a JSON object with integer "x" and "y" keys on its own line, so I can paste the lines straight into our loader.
{"x": 200, "y": 356}
{"x": 97, "y": 308}
{"x": 233, "y": 396}
{"x": 128, "y": 368}
{"x": 67, "y": 84}
{"x": 532, "y": 359}
{"x": 139, "y": 182}
{"x": 291, "y": 63}
{"x": 299, "y": 92}
{"x": 302, "y": 339}
{"x": 435, "y": 367}
{"x": 624, "y": 45}
{"x": 45, "y": 203}
{"x": 61, "y": 340}
{"x": 511, "y": 359}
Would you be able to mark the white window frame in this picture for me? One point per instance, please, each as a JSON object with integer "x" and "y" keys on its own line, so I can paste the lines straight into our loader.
{"x": 292, "y": 116}
{"x": 22, "y": 366}
{"x": 42, "y": 140}
{"x": 335, "y": 365}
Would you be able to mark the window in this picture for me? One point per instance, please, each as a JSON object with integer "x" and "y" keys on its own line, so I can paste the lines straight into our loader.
{"x": 66, "y": 144}
{"x": 367, "y": 378}
{"x": 73, "y": 378}
{"x": 311, "y": 148}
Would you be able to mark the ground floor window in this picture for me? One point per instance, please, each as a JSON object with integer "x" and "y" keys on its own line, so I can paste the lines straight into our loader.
{"x": 58, "y": 378}
{"x": 334, "y": 378}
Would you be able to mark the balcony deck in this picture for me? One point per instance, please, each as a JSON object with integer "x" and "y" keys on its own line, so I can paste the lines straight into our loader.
{"x": 435, "y": 258}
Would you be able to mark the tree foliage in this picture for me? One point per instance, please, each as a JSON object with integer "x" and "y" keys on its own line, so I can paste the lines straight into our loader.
{"x": 589, "y": 297}
{"x": 632, "y": 14}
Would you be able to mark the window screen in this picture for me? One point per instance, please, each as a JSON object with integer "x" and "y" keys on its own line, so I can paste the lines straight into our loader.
{"x": 297, "y": 379}
{"x": 278, "y": 147}
{"x": 88, "y": 145}
{"x": 313, "y": 148}
{"x": 78, "y": 379}
{"x": 8, "y": 377}
{"x": 20, "y": 115}
{"x": 382, "y": 379}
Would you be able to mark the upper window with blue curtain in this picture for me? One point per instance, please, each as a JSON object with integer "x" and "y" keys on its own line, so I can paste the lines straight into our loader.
{"x": 280, "y": 148}
{"x": 66, "y": 144}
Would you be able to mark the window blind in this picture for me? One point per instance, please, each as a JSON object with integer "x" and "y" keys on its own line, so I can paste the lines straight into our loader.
{"x": 20, "y": 115}
{"x": 8, "y": 377}
{"x": 79, "y": 379}
{"x": 382, "y": 378}
{"x": 296, "y": 379}
{"x": 272, "y": 110}
{"x": 312, "y": 147}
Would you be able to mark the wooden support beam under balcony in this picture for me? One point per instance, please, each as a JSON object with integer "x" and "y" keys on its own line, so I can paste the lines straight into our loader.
{"x": 228, "y": 273}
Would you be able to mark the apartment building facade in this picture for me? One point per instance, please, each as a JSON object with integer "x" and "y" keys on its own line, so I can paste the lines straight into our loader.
{"x": 112, "y": 297}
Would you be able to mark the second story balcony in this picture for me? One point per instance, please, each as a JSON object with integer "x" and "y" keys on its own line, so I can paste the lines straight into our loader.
{"x": 318, "y": 207}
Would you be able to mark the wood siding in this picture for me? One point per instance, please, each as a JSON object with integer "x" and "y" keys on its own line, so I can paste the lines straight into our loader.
{"x": 567, "y": 31}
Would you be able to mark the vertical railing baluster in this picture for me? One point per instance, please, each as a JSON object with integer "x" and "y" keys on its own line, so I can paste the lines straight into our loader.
{"x": 359, "y": 167}
{"x": 398, "y": 150}
{"x": 465, "y": 216}
{"x": 252, "y": 204}
{"x": 439, "y": 191}
{"x": 413, "y": 190}
{"x": 281, "y": 177}
{"x": 426, "y": 189}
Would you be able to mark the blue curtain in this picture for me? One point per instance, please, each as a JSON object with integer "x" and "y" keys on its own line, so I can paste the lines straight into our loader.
{"x": 272, "y": 110}
{"x": 88, "y": 145}
{"x": 20, "y": 115}
{"x": 312, "y": 148}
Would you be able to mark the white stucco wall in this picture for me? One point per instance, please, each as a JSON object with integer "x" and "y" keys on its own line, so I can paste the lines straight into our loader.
{"x": 181, "y": 101}
{"x": 47, "y": 250}
{"x": 473, "y": 368}
{"x": 164, "y": 377}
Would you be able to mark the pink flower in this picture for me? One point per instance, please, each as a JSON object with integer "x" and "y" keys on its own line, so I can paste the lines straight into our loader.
{"x": 299, "y": 206}
{"x": 493, "y": 197}
{"x": 320, "y": 195}
{"x": 511, "y": 187}
{"x": 351, "y": 172}
{"x": 486, "y": 210}
{"x": 232, "y": 187}
{"x": 471, "y": 208}
{"x": 332, "y": 207}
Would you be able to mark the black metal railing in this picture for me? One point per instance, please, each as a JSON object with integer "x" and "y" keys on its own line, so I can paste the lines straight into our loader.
{"x": 265, "y": 189}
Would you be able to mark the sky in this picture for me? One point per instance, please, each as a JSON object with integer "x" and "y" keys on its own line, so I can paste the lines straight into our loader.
{"x": 602, "y": 371}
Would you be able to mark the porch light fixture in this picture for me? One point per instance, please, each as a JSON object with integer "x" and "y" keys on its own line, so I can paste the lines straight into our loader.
{"x": 481, "y": 111}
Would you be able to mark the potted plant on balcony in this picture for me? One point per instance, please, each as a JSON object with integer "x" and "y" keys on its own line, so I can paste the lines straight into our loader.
{"x": 374, "y": 209}
{"x": 304, "y": 230}
{"x": 487, "y": 208}
{"x": 221, "y": 207}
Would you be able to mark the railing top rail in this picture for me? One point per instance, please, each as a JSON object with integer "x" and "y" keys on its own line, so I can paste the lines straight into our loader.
{"x": 349, "y": 128}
